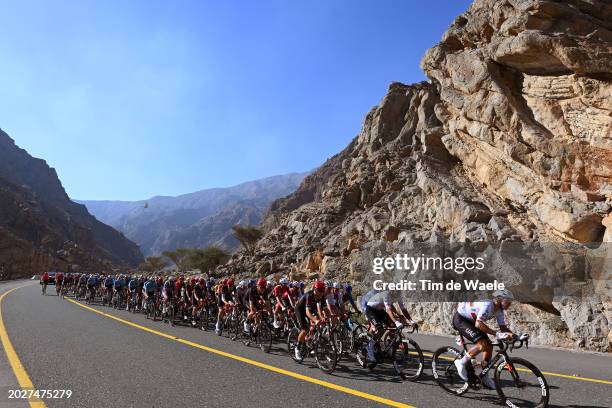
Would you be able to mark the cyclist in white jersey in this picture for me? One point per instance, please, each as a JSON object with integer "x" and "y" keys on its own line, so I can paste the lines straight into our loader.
{"x": 381, "y": 312}
{"x": 469, "y": 320}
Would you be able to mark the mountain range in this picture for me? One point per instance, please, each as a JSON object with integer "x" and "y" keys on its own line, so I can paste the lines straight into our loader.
{"x": 196, "y": 219}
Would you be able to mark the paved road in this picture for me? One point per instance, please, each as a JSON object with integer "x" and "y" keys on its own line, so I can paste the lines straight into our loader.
{"x": 108, "y": 363}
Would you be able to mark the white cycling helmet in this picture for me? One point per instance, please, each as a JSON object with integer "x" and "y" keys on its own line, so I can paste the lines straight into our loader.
{"x": 504, "y": 294}
{"x": 284, "y": 281}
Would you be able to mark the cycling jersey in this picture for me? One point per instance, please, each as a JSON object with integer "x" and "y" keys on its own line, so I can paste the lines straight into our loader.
{"x": 482, "y": 311}
{"x": 227, "y": 294}
{"x": 150, "y": 286}
{"x": 93, "y": 281}
{"x": 119, "y": 283}
{"x": 253, "y": 296}
{"x": 281, "y": 291}
{"x": 309, "y": 300}
{"x": 386, "y": 298}
{"x": 82, "y": 280}
{"x": 168, "y": 289}
{"x": 199, "y": 292}
{"x": 366, "y": 298}
{"x": 132, "y": 284}
{"x": 109, "y": 282}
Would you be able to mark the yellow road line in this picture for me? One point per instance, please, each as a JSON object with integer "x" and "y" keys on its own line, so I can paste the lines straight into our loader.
{"x": 253, "y": 362}
{"x": 22, "y": 376}
{"x": 571, "y": 377}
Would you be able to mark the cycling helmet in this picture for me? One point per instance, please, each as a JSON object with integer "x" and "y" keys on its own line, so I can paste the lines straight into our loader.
{"x": 252, "y": 282}
{"x": 202, "y": 281}
{"x": 336, "y": 285}
{"x": 230, "y": 282}
{"x": 302, "y": 284}
{"x": 262, "y": 283}
{"x": 319, "y": 286}
{"x": 504, "y": 294}
{"x": 284, "y": 281}
{"x": 348, "y": 288}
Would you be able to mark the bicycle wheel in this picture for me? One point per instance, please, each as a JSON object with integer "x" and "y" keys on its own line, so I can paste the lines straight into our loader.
{"x": 264, "y": 337}
{"x": 356, "y": 333}
{"x": 171, "y": 315}
{"x": 521, "y": 384}
{"x": 232, "y": 328}
{"x": 325, "y": 353}
{"x": 408, "y": 360}
{"x": 204, "y": 318}
{"x": 292, "y": 338}
{"x": 445, "y": 372}
{"x": 336, "y": 337}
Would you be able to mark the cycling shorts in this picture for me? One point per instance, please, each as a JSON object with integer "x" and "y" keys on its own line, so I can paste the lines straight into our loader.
{"x": 379, "y": 318}
{"x": 302, "y": 319}
{"x": 467, "y": 328}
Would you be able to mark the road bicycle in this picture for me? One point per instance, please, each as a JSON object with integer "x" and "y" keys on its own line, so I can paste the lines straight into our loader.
{"x": 132, "y": 302}
{"x": 404, "y": 353}
{"x": 152, "y": 308}
{"x": 319, "y": 344}
{"x": 518, "y": 382}
{"x": 117, "y": 300}
{"x": 91, "y": 295}
{"x": 260, "y": 332}
{"x": 168, "y": 311}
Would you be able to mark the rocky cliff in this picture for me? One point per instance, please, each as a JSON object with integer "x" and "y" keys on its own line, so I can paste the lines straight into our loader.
{"x": 509, "y": 140}
{"x": 41, "y": 228}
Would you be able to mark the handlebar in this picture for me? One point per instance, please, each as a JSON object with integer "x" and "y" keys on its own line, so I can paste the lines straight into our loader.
{"x": 516, "y": 343}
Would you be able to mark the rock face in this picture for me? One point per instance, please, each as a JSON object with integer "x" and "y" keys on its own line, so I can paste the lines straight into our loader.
{"x": 41, "y": 228}
{"x": 510, "y": 140}
{"x": 197, "y": 219}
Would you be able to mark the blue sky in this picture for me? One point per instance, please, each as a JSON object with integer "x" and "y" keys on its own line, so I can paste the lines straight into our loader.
{"x": 133, "y": 99}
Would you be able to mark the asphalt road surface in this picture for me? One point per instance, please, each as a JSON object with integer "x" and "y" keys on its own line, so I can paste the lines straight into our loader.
{"x": 111, "y": 363}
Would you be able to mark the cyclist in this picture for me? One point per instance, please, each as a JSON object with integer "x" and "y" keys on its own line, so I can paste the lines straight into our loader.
{"x": 92, "y": 282}
{"x": 281, "y": 294}
{"x": 307, "y": 312}
{"x": 256, "y": 299}
{"x": 68, "y": 282}
{"x": 226, "y": 302}
{"x": 45, "y": 282}
{"x": 119, "y": 286}
{"x": 469, "y": 320}
{"x": 149, "y": 289}
{"x": 331, "y": 299}
{"x": 109, "y": 282}
{"x": 82, "y": 285}
{"x": 199, "y": 299}
{"x": 132, "y": 287}
{"x": 381, "y": 313}
{"x": 347, "y": 296}
{"x": 168, "y": 290}
{"x": 59, "y": 279}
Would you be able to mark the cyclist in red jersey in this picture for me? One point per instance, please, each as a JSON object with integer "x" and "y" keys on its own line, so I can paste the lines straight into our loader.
{"x": 59, "y": 280}
{"x": 45, "y": 282}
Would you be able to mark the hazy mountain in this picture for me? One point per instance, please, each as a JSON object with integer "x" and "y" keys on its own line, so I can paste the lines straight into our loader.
{"x": 41, "y": 228}
{"x": 196, "y": 219}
